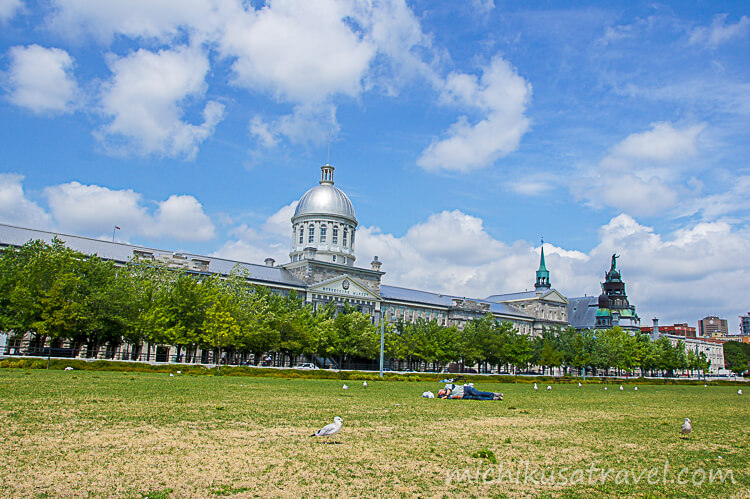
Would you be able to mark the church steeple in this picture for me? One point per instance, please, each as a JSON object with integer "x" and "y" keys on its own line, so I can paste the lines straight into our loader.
{"x": 542, "y": 275}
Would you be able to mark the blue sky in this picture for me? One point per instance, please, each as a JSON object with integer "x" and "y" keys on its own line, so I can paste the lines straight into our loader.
{"x": 463, "y": 132}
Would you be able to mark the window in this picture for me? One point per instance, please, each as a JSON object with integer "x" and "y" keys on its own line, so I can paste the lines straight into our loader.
{"x": 301, "y": 235}
{"x": 323, "y": 230}
{"x": 311, "y": 236}
{"x": 334, "y": 256}
{"x": 352, "y": 244}
{"x": 335, "y": 238}
{"x": 346, "y": 234}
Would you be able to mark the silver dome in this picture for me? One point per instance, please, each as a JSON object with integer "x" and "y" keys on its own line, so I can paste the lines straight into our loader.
{"x": 325, "y": 199}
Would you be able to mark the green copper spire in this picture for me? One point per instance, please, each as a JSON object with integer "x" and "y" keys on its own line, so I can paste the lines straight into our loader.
{"x": 542, "y": 275}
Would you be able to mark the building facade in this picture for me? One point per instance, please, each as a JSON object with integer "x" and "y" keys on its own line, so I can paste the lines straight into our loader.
{"x": 745, "y": 324}
{"x": 712, "y": 327}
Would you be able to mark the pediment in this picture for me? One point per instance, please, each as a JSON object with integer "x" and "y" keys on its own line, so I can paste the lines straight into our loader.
{"x": 554, "y": 295}
{"x": 344, "y": 286}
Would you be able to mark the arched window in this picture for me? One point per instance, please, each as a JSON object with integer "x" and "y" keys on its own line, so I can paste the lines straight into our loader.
{"x": 323, "y": 230}
{"x": 335, "y": 238}
{"x": 346, "y": 235}
{"x": 352, "y": 244}
{"x": 311, "y": 236}
{"x": 301, "y": 236}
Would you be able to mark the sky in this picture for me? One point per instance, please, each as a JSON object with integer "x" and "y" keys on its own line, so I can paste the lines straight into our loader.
{"x": 463, "y": 133}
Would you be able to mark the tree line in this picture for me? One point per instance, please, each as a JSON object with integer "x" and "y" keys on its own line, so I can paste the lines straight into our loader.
{"x": 55, "y": 293}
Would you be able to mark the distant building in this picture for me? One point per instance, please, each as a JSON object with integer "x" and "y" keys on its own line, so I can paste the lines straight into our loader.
{"x": 712, "y": 327}
{"x": 610, "y": 309}
{"x": 713, "y": 349}
{"x": 675, "y": 329}
{"x": 745, "y": 324}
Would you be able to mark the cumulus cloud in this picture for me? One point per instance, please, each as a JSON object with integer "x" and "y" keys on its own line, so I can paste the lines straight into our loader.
{"x": 720, "y": 32}
{"x": 9, "y": 8}
{"x": 307, "y": 124}
{"x": 146, "y": 97}
{"x": 500, "y": 96}
{"x": 93, "y": 209}
{"x": 16, "y": 208}
{"x": 644, "y": 173}
{"x": 302, "y": 52}
{"x": 41, "y": 79}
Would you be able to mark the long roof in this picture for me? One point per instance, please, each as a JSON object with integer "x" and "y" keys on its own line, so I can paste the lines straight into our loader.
{"x": 123, "y": 252}
{"x": 436, "y": 299}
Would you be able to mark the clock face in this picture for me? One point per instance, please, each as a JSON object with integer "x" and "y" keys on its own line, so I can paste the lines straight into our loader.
{"x": 345, "y": 284}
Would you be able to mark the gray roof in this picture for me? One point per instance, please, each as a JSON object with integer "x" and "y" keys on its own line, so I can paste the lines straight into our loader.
{"x": 524, "y": 295}
{"x": 582, "y": 311}
{"x": 436, "y": 299}
{"x": 122, "y": 253}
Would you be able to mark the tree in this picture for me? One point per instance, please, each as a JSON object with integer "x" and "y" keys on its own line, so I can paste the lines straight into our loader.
{"x": 735, "y": 358}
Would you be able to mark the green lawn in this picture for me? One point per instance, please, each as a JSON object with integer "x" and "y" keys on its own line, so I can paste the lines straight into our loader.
{"x": 106, "y": 434}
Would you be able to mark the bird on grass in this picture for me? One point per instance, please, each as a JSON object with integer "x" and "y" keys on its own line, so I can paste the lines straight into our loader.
{"x": 579, "y": 384}
{"x": 636, "y": 388}
{"x": 330, "y": 430}
{"x": 535, "y": 387}
{"x": 605, "y": 388}
{"x": 549, "y": 387}
{"x": 345, "y": 387}
{"x": 686, "y": 427}
{"x": 364, "y": 384}
{"x": 739, "y": 392}
{"x": 621, "y": 388}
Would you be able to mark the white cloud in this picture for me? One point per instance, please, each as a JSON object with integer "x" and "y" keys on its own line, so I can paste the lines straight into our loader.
{"x": 306, "y": 124}
{"x": 41, "y": 79}
{"x": 182, "y": 217}
{"x": 644, "y": 173}
{"x": 272, "y": 239}
{"x": 16, "y": 208}
{"x": 92, "y": 209}
{"x": 9, "y": 8}
{"x": 720, "y": 32}
{"x": 500, "y": 97}
{"x": 662, "y": 143}
{"x": 146, "y": 97}
{"x": 302, "y": 52}
{"x": 162, "y": 20}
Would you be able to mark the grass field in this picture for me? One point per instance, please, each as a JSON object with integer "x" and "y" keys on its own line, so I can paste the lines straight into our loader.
{"x": 105, "y": 434}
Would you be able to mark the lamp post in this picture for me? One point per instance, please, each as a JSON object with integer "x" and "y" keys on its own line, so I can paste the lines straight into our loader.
{"x": 382, "y": 341}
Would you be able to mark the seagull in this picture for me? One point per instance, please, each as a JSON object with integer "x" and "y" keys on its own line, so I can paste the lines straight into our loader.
{"x": 621, "y": 388}
{"x": 579, "y": 384}
{"x": 535, "y": 387}
{"x": 68, "y": 368}
{"x": 549, "y": 387}
{"x": 636, "y": 388}
{"x": 605, "y": 388}
{"x": 330, "y": 430}
{"x": 345, "y": 387}
{"x": 364, "y": 384}
{"x": 705, "y": 386}
{"x": 739, "y": 392}
{"x": 686, "y": 428}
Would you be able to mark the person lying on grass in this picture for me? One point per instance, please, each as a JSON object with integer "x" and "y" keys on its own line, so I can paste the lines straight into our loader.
{"x": 467, "y": 392}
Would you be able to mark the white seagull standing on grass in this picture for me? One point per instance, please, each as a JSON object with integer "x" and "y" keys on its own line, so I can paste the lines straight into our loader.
{"x": 535, "y": 387}
{"x": 686, "y": 427}
{"x": 364, "y": 384}
{"x": 345, "y": 387}
{"x": 549, "y": 387}
{"x": 330, "y": 430}
{"x": 621, "y": 388}
{"x": 739, "y": 392}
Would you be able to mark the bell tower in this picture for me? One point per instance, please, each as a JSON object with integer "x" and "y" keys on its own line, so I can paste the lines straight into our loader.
{"x": 542, "y": 275}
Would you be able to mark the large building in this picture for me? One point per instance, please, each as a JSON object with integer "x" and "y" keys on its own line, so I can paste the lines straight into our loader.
{"x": 745, "y": 324}
{"x": 712, "y": 327}
{"x": 322, "y": 269}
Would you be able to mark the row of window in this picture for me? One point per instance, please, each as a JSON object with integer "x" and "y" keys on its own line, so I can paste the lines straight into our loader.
{"x": 346, "y": 239}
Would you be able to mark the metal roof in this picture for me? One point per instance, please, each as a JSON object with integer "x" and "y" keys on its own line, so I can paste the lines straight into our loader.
{"x": 325, "y": 199}
{"x": 582, "y": 311}
{"x": 441, "y": 300}
{"x": 523, "y": 295}
{"x": 123, "y": 252}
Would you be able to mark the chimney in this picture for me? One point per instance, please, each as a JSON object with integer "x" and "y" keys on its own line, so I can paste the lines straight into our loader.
{"x": 270, "y": 262}
{"x": 375, "y": 264}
